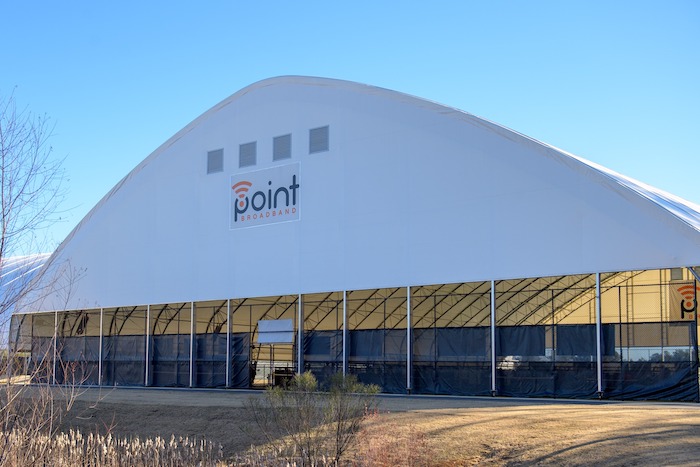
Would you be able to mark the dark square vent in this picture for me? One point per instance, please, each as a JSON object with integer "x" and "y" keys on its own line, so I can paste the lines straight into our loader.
{"x": 282, "y": 147}
{"x": 247, "y": 154}
{"x": 318, "y": 139}
{"x": 215, "y": 161}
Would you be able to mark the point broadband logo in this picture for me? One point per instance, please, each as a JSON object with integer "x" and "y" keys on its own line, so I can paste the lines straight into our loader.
{"x": 265, "y": 196}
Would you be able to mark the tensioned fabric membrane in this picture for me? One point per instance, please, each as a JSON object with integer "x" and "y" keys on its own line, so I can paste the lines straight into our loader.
{"x": 411, "y": 244}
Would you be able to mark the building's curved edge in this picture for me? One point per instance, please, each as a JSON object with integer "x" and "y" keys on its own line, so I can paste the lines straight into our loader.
{"x": 687, "y": 212}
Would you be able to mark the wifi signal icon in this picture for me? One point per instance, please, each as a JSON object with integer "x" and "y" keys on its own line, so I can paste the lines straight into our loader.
{"x": 241, "y": 188}
{"x": 688, "y": 292}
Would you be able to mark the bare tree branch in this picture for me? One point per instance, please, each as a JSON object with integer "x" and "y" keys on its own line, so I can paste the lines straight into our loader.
{"x": 31, "y": 189}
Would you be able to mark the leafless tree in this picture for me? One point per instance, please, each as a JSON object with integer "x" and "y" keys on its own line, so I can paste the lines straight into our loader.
{"x": 305, "y": 426}
{"x": 31, "y": 190}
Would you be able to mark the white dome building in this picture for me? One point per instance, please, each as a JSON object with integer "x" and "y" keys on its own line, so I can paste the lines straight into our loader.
{"x": 309, "y": 223}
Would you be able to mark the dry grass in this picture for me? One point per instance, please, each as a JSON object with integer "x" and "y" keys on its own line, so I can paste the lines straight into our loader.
{"x": 429, "y": 431}
{"x": 559, "y": 434}
{"x": 386, "y": 443}
{"x": 94, "y": 450}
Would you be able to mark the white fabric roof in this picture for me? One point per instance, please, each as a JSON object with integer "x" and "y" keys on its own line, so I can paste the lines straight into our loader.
{"x": 16, "y": 273}
{"x": 685, "y": 210}
{"x": 409, "y": 192}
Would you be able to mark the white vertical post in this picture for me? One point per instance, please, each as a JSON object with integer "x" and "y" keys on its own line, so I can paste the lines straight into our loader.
{"x": 598, "y": 336}
{"x": 99, "y": 362}
{"x": 300, "y": 335}
{"x": 409, "y": 346}
{"x": 191, "y": 344}
{"x": 13, "y": 343}
{"x": 55, "y": 341}
{"x": 148, "y": 343}
{"x": 695, "y": 341}
{"x": 345, "y": 332}
{"x": 228, "y": 342}
{"x": 493, "y": 338}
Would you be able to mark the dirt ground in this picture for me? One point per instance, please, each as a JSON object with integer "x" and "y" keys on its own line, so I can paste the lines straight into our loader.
{"x": 450, "y": 430}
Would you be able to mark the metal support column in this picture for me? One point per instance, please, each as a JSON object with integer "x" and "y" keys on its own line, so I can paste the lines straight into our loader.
{"x": 148, "y": 344}
{"x": 695, "y": 341}
{"x": 598, "y": 336}
{"x": 300, "y": 335}
{"x": 493, "y": 338}
{"x": 345, "y": 332}
{"x": 55, "y": 341}
{"x": 228, "y": 343}
{"x": 191, "y": 344}
{"x": 99, "y": 362}
{"x": 409, "y": 346}
{"x": 12, "y": 345}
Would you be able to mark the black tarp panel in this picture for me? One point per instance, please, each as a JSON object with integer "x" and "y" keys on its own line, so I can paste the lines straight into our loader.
{"x": 520, "y": 341}
{"x": 377, "y": 344}
{"x": 576, "y": 379}
{"x": 424, "y": 344}
{"x": 210, "y": 361}
{"x": 240, "y": 372}
{"x": 653, "y": 361}
{"x": 366, "y": 345}
{"x": 124, "y": 360}
{"x": 452, "y": 361}
{"x": 378, "y": 356}
{"x": 522, "y": 369}
{"x": 671, "y": 381}
{"x": 78, "y": 360}
{"x": 390, "y": 377}
{"x": 461, "y": 344}
{"x": 525, "y": 379}
{"x": 527, "y": 368}
{"x": 576, "y": 341}
{"x": 41, "y": 361}
{"x": 323, "y": 354}
{"x": 579, "y": 340}
{"x": 170, "y": 360}
{"x": 575, "y": 369}
{"x": 457, "y": 378}
{"x": 323, "y": 346}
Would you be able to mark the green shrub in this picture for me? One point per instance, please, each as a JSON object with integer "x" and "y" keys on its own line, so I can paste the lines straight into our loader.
{"x": 312, "y": 427}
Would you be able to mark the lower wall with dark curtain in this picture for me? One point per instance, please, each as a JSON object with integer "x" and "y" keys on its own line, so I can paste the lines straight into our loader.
{"x": 452, "y": 361}
{"x": 323, "y": 355}
{"x": 78, "y": 360}
{"x": 378, "y": 356}
{"x": 124, "y": 360}
{"x": 210, "y": 361}
{"x": 446, "y": 360}
{"x": 375, "y": 357}
{"x": 241, "y": 371}
{"x": 670, "y": 372}
{"x": 170, "y": 360}
{"x": 671, "y": 381}
{"x": 527, "y": 368}
{"x": 210, "y": 350}
{"x": 41, "y": 360}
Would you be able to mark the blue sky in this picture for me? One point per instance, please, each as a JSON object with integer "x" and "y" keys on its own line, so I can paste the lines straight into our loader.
{"x": 617, "y": 83}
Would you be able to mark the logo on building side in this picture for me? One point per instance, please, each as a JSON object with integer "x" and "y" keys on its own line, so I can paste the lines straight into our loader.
{"x": 683, "y": 301}
{"x": 265, "y": 196}
{"x": 689, "y": 302}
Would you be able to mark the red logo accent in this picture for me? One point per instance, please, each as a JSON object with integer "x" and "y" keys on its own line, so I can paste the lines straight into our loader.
{"x": 688, "y": 294}
{"x": 241, "y": 188}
